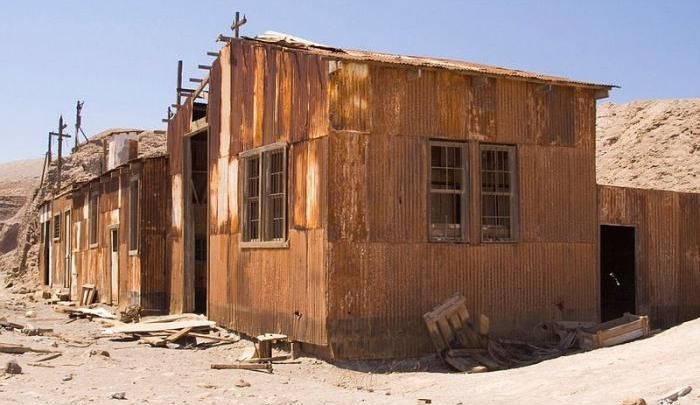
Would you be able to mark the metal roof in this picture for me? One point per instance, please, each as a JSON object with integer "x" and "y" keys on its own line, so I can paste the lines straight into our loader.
{"x": 290, "y": 41}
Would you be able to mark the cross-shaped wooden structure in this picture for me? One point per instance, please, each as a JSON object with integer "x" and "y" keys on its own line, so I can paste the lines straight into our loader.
{"x": 238, "y": 23}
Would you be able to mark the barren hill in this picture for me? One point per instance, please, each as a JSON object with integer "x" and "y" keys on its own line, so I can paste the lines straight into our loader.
{"x": 18, "y": 180}
{"x": 650, "y": 144}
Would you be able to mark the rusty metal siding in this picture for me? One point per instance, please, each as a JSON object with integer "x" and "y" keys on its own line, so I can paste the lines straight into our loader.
{"x": 59, "y": 273}
{"x": 384, "y": 274}
{"x": 261, "y": 94}
{"x": 93, "y": 263}
{"x": 154, "y": 210}
{"x": 668, "y": 248}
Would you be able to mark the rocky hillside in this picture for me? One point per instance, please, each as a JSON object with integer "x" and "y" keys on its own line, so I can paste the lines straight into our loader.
{"x": 650, "y": 144}
{"x": 17, "y": 183}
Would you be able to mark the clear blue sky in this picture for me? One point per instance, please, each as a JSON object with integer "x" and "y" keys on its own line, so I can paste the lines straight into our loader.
{"x": 120, "y": 56}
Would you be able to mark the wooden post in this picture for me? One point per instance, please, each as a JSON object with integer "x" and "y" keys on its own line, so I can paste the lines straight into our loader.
{"x": 238, "y": 23}
{"x": 78, "y": 121}
{"x": 60, "y": 135}
{"x": 60, "y": 154}
{"x": 179, "y": 82}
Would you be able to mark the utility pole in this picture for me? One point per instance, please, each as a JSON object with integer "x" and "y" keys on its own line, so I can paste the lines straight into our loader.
{"x": 78, "y": 121}
{"x": 60, "y": 135}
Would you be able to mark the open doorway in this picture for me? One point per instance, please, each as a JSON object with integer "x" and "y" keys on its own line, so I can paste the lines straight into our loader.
{"x": 197, "y": 219}
{"x": 617, "y": 271}
{"x": 46, "y": 239}
{"x": 114, "y": 264}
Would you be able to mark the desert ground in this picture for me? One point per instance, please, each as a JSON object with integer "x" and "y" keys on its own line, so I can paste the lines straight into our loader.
{"x": 83, "y": 374}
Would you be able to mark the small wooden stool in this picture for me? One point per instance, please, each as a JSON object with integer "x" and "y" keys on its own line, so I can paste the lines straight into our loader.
{"x": 264, "y": 344}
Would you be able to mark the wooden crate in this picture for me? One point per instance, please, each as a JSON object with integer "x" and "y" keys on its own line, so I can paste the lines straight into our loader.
{"x": 624, "y": 329}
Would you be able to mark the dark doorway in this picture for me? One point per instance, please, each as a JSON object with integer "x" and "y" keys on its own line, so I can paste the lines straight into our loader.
{"x": 198, "y": 218}
{"x": 617, "y": 271}
{"x": 47, "y": 252}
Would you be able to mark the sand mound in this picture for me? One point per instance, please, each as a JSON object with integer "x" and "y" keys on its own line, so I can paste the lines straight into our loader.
{"x": 650, "y": 144}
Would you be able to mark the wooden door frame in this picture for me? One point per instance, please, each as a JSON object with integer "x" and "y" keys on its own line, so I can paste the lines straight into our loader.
{"x": 111, "y": 228}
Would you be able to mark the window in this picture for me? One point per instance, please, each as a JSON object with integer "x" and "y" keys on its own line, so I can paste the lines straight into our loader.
{"x": 498, "y": 193}
{"x": 265, "y": 194}
{"x": 447, "y": 201}
{"x": 134, "y": 215}
{"x": 57, "y": 227}
{"x": 93, "y": 219}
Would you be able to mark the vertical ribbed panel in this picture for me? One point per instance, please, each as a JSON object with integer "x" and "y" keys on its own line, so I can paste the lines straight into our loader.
{"x": 668, "y": 248}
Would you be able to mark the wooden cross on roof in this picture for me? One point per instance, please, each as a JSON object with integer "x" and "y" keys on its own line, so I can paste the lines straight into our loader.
{"x": 238, "y": 23}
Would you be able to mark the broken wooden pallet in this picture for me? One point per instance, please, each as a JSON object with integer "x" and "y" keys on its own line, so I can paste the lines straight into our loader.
{"x": 450, "y": 327}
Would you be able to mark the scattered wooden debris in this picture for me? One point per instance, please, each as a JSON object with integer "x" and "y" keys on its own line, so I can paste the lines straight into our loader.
{"x": 621, "y": 330}
{"x": 142, "y": 327}
{"x": 19, "y": 349}
{"x": 178, "y": 335}
{"x": 154, "y": 341}
{"x": 10, "y": 325}
{"x": 49, "y": 357}
{"x": 85, "y": 312}
{"x": 243, "y": 366}
{"x": 468, "y": 347}
{"x": 130, "y": 314}
{"x": 30, "y": 330}
{"x": 674, "y": 395}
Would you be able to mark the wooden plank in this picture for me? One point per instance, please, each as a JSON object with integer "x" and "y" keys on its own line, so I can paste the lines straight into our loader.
{"x": 446, "y": 330}
{"x": 178, "y": 335}
{"x": 158, "y": 327}
{"x": 243, "y": 366}
{"x": 19, "y": 349}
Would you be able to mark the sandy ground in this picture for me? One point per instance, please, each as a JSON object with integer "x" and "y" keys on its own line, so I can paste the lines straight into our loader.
{"x": 649, "y": 144}
{"x": 646, "y": 368}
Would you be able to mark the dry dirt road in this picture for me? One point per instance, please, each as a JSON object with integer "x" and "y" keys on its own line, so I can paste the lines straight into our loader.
{"x": 646, "y": 368}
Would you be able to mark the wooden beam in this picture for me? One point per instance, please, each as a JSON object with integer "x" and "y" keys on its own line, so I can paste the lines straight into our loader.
{"x": 204, "y": 67}
{"x": 201, "y": 86}
{"x": 214, "y": 54}
{"x": 224, "y": 38}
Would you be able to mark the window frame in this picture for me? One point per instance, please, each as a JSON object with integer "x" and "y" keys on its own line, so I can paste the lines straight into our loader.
{"x": 264, "y": 169}
{"x": 464, "y": 193}
{"x": 513, "y": 193}
{"x": 93, "y": 233}
{"x": 134, "y": 250}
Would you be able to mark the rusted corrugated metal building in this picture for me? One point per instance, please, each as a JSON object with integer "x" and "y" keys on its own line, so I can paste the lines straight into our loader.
{"x": 55, "y": 255}
{"x": 335, "y": 196}
{"x": 661, "y": 232}
{"x": 111, "y": 232}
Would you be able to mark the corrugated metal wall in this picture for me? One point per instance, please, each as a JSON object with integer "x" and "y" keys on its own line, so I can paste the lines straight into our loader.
{"x": 260, "y": 94}
{"x": 668, "y": 248}
{"x": 59, "y": 274}
{"x": 142, "y": 276}
{"x": 383, "y": 272}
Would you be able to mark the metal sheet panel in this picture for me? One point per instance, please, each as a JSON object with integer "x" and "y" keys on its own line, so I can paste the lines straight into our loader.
{"x": 667, "y": 250}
